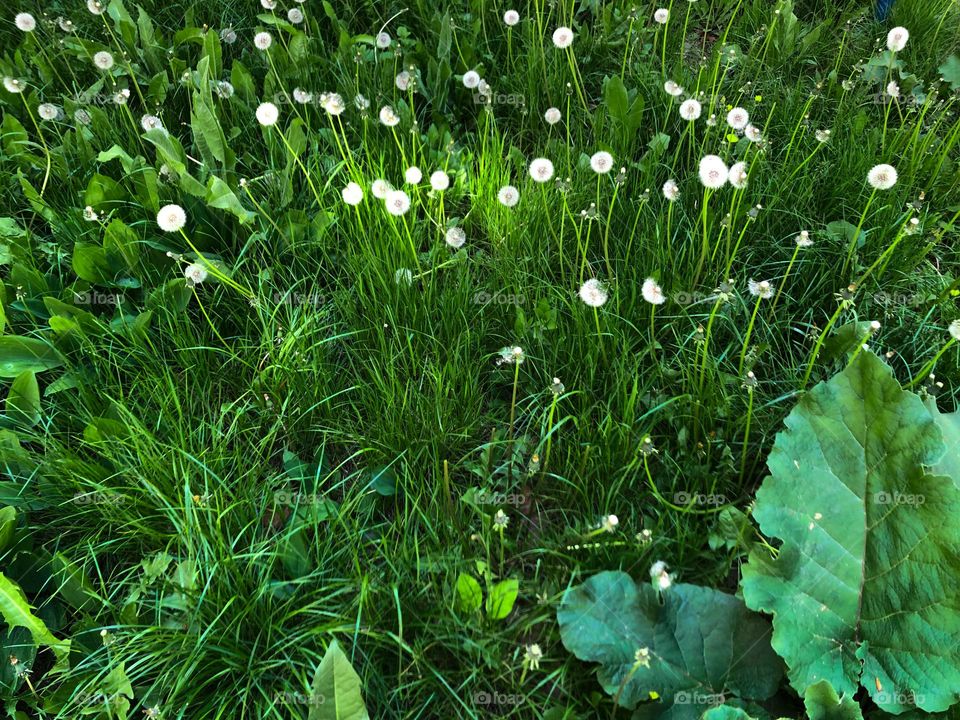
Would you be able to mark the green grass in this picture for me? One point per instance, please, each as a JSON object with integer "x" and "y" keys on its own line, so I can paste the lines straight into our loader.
{"x": 193, "y": 413}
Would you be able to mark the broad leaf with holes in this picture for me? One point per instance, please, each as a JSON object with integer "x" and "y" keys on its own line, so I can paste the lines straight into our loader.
{"x": 865, "y": 589}
{"x": 700, "y": 644}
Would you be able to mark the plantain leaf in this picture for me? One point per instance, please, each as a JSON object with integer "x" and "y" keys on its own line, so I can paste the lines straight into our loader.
{"x": 18, "y": 354}
{"x": 866, "y": 585}
{"x": 699, "y": 648}
{"x": 335, "y": 694}
{"x": 23, "y": 400}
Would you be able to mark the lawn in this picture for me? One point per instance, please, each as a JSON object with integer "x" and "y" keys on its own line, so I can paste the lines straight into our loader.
{"x": 562, "y": 360}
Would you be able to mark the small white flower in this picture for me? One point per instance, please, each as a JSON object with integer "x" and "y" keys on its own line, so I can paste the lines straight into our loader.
{"x": 661, "y": 15}
{"x": 121, "y": 96}
{"x": 413, "y": 176}
{"x": 541, "y": 170}
{"x": 954, "y": 329}
{"x": 508, "y": 196}
{"x": 380, "y": 188}
{"x": 263, "y": 40}
{"x": 295, "y": 15}
{"x": 822, "y": 135}
{"x": 439, "y": 181}
{"x": 352, "y": 194}
{"x": 563, "y": 37}
{"x": 593, "y": 293}
{"x": 610, "y": 523}
{"x": 882, "y": 177}
{"x": 228, "y": 35}
{"x": 25, "y": 22}
{"x": 738, "y": 175}
{"x": 268, "y": 4}
{"x": 455, "y": 237}
{"x": 803, "y": 239}
{"x": 738, "y": 118}
{"x": 762, "y": 289}
{"x": 402, "y": 81}
{"x": 670, "y": 190}
{"x": 713, "y": 172}
{"x": 552, "y": 115}
{"x": 149, "y": 122}
{"x": 48, "y": 111}
{"x": 383, "y": 40}
{"x": 500, "y": 520}
{"x": 897, "y": 39}
{"x": 893, "y": 90}
{"x": 95, "y": 7}
{"x": 195, "y": 274}
{"x": 532, "y": 655}
{"x": 511, "y": 355}
{"x": 601, "y": 162}
{"x": 267, "y": 114}
{"x": 690, "y": 109}
{"x": 658, "y": 573}
{"x": 511, "y": 18}
{"x": 89, "y": 213}
{"x": 388, "y": 117}
{"x": 671, "y": 88}
{"x": 652, "y": 292}
{"x": 12, "y": 84}
{"x": 171, "y": 218}
{"x": 398, "y": 202}
{"x": 471, "y": 78}
{"x": 752, "y": 133}
{"x": 103, "y": 60}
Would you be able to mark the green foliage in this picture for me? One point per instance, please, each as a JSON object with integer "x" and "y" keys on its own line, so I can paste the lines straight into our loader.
{"x": 336, "y": 689}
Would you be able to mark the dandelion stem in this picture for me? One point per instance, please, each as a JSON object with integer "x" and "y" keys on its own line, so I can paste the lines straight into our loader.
{"x": 928, "y": 368}
{"x": 746, "y": 434}
{"x": 746, "y": 338}
{"x": 819, "y": 344}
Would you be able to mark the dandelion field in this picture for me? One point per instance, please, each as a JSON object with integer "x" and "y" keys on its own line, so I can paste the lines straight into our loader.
{"x": 409, "y": 360}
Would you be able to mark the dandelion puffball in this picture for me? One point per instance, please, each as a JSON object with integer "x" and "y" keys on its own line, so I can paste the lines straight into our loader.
{"x": 295, "y": 15}
{"x": 652, "y": 292}
{"x": 762, "y": 289}
{"x": 95, "y": 7}
{"x": 511, "y": 18}
{"x": 413, "y": 176}
{"x": 563, "y": 37}
{"x": 713, "y": 172}
{"x": 439, "y": 181}
{"x": 954, "y": 329}
{"x": 552, "y": 115}
{"x": 897, "y": 39}
{"x": 661, "y": 15}
{"x": 455, "y": 237}
{"x": 25, "y": 22}
{"x": 262, "y": 40}
{"x": 738, "y": 118}
{"x": 388, "y": 117}
{"x": 267, "y": 114}
{"x": 541, "y": 170}
{"x": 195, "y": 273}
{"x": 352, "y": 194}
{"x": 12, "y": 84}
{"x": 402, "y": 81}
{"x": 380, "y": 188}
{"x": 593, "y": 293}
{"x": 672, "y": 88}
{"x": 803, "y": 239}
{"x": 690, "y": 109}
{"x": 508, "y": 196}
{"x": 738, "y": 175}
{"x": 670, "y": 190}
{"x": 882, "y": 177}
{"x": 103, "y": 60}
{"x": 398, "y": 202}
{"x": 383, "y": 40}
{"x": 601, "y": 162}
{"x": 752, "y": 133}
{"x": 471, "y": 78}
{"x": 171, "y": 218}
{"x": 48, "y": 111}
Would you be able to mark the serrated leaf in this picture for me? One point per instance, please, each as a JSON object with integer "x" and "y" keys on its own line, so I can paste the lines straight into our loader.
{"x": 700, "y": 642}
{"x": 865, "y": 589}
{"x": 823, "y": 703}
{"x": 335, "y": 693}
{"x": 16, "y": 612}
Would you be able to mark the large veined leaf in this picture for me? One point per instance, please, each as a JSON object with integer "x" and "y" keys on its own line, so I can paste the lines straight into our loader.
{"x": 335, "y": 694}
{"x": 16, "y": 612}
{"x": 949, "y": 463}
{"x": 19, "y": 354}
{"x": 823, "y": 703}
{"x": 865, "y": 589}
{"x": 697, "y": 649}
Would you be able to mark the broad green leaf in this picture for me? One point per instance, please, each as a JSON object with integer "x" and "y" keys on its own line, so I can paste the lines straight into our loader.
{"x": 616, "y": 99}
{"x": 18, "y": 354}
{"x": 950, "y": 71}
{"x": 90, "y": 263}
{"x": 469, "y": 594}
{"x": 23, "y": 400}
{"x": 727, "y": 712}
{"x": 501, "y": 598}
{"x": 8, "y": 526}
{"x": 118, "y": 239}
{"x": 949, "y": 425}
{"x": 823, "y": 703}
{"x": 219, "y": 195}
{"x": 16, "y": 612}
{"x": 698, "y": 645}
{"x": 103, "y": 193}
{"x": 72, "y": 583}
{"x": 335, "y": 693}
{"x": 865, "y": 588}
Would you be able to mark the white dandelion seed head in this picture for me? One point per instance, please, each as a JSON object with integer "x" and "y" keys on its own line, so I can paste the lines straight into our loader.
{"x": 402, "y": 80}
{"x": 601, "y": 162}
{"x": 149, "y": 122}
{"x": 803, "y": 239}
{"x": 552, "y": 115}
{"x": 563, "y": 37}
{"x": 267, "y": 114}
{"x": 225, "y": 89}
{"x": 455, "y": 237}
{"x": 713, "y": 172}
{"x": 659, "y": 573}
{"x": 228, "y": 35}
{"x": 413, "y": 175}
{"x": 361, "y": 103}
{"x": 439, "y": 180}
{"x": 352, "y": 194}
{"x": 398, "y": 202}
{"x": 103, "y": 60}
{"x": 48, "y": 111}
{"x": 508, "y": 196}
{"x": 673, "y": 89}
{"x": 670, "y": 190}
{"x": 652, "y": 292}
{"x": 690, "y": 109}
{"x": 593, "y": 293}
{"x": 295, "y": 15}
{"x": 195, "y": 273}
{"x": 661, "y": 16}
{"x": 954, "y": 329}
{"x": 738, "y": 118}
{"x": 752, "y": 133}
{"x": 511, "y": 18}
{"x": 897, "y": 38}
{"x": 762, "y": 289}
{"x": 471, "y": 79}
{"x": 379, "y": 188}
{"x": 121, "y": 96}
{"x": 95, "y": 7}
{"x": 171, "y": 218}
{"x": 334, "y": 104}
{"x": 388, "y": 117}
{"x": 268, "y": 4}
{"x": 541, "y": 170}
{"x": 893, "y": 90}
{"x": 262, "y": 40}
{"x": 25, "y": 22}
{"x": 882, "y": 177}
{"x": 12, "y": 84}
{"x": 383, "y": 40}
{"x": 738, "y": 175}
{"x": 301, "y": 96}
